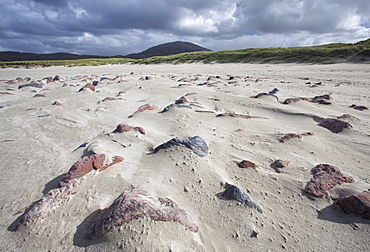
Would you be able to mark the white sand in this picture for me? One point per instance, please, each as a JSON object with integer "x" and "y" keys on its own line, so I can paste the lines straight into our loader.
{"x": 36, "y": 151}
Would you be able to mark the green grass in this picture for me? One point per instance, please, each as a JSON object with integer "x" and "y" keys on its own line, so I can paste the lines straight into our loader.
{"x": 323, "y": 54}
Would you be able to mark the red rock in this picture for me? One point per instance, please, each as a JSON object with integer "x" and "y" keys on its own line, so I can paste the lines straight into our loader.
{"x": 65, "y": 85}
{"x": 144, "y": 107}
{"x": 93, "y": 162}
{"x": 88, "y": 85}
{"x": 334, "y": 125}
{"x": 56, "y": 103}
{"x": 247, "y": 164}
{"x": 281, "y": 163}
{"x": 139, "y": 204}
{"x": 357, "y": 203}
{"x": 291, "y": 100}
{"x": 324, "y": 178}
{"x": 126, "y": 128}
{"x": 240, "y": 116}
{"x": 7, "y": 93}
{"x": 294, "y": 135}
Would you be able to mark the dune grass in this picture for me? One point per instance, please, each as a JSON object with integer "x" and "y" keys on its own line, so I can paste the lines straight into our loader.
{"x": 323, "y": 54}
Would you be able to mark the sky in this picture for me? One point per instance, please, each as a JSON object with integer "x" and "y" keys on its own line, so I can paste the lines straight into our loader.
{"x": 120, "y": 27}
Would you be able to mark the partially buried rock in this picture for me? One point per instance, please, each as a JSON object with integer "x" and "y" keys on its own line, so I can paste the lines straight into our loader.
{"x": 233, "y": 192}
{"x": 56, "y": 197}
{"x": 294, "y": 135}
{"x": 357, "y": 203}
{"x": 139, "y": 204}
{"x": 56, "y": 103}
{"x": 361, "y": 108}
{"x": 196, "y": 144}
{"x": 176, "y": 106}
{"x": 88, "y": 86}
{"x": 325, "y": 177}
{"x": 240, "y": 116}
{"x": 334, "y": 125}
{"x": 143, "y": 108}
{"x": 247, "y": 164}
{"x": 33, "y": 84}
{"x": 111, "y": 99}
{"x": 126, "y": 128}
{"x": 281, "y": 163}
{"x": 39, "y": 95}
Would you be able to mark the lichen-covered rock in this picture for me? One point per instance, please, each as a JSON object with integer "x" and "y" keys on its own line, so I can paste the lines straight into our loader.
{"x": 196, "y": 144}
{"x": 126, "y": 128}
{"x": 357, "y": 203}
{"x": 235, "y": 193}
{"x": 138, "y": 204}
{"x": 334, "y": 125}
{"x": 325, "y": 177}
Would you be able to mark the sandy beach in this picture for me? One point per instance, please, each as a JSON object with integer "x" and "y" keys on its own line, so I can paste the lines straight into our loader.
{"x": 40, "y": 141}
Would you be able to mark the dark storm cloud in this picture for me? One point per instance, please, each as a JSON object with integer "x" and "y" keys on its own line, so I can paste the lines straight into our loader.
{"x": 110, "y": 27}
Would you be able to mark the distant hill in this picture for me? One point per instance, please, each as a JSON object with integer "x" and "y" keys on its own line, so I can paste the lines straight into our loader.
{"x": 168, "y": 49}
{"x": 21, "y": 56}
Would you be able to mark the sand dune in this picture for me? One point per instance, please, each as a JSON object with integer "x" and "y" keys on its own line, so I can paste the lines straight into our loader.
{"x": 40, "y": 142}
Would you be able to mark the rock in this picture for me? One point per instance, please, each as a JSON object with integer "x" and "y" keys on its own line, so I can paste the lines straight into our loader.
{"x": 247, "y": 164}
{"x": 56, "y": 78}
{"x": 175, "y": 105}
{"x": 95, "y": 83}
{"x": 48, "y": 79}
{"x": 294, "y": 135}
{"x": 86, "y": 164}
{"x": 334, "y": 125}
{"x": 324, "y": 178}
{"x": 126, "y": 128}
{"x": 361, "y": 108}
{"x": 144, "y": 107}
{"x": 292, "y": 100}
{"x": 196, "y": 144}
{"x": 239, "y": 115}
{"x": 56, "y": 103}
{"x": 33, "y": 84}
{"x": 181, "y": 100}
{"x": 322, "y": 99}
{"x": 357, "y": 203}
{"x": 88, "y": 85}
{"x": 348, "y": 117}
{"x": 111, "y": 99}
{"x": 138, "y": 204}
{"x": 281, "y": 163}
{"x": 56, "y": 197}
{"x": 6, "y": 93}
{"x": 233, "y": 192}
{"x": 39, "y": 95}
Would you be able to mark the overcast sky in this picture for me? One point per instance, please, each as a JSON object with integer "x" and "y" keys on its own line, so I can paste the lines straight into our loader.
{"x": 112, "y": 27}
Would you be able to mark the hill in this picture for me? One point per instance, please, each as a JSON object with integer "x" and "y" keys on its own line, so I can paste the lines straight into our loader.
{"x": 21, "y": 56}
{"x": 167, "y": 49}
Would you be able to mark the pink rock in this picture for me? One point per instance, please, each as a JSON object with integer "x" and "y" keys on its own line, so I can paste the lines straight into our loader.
{"x": 111, "y": 99}
{"x": 181, "y": 100}
{"x": 139, "y": 204}
{"x": 324, "y": 178}
{"x": 357, "y": 203}
{"x": 126, "y": 128}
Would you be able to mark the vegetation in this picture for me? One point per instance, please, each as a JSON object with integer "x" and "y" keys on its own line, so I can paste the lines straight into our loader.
{"x": 324, "y": 54}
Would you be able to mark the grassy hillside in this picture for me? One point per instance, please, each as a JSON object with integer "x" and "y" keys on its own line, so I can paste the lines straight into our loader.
{"x": 324, "y": 54}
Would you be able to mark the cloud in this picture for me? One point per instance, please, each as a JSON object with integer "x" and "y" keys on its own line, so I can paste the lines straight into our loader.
{"x": 121, "y": 27}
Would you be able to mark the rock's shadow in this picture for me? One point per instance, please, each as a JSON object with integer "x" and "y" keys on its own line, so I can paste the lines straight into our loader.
{"x": 334, "y": 213}
{"x": 81, "y": 237}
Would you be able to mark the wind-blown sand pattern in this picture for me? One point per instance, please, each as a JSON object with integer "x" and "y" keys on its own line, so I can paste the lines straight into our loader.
{"x": 38, "y": 141}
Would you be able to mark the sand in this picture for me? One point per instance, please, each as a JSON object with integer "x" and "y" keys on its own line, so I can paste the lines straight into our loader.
{"x": 39, "y": 145}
